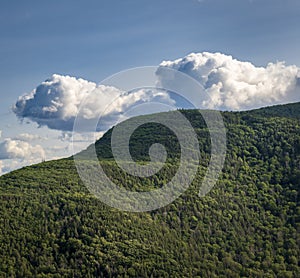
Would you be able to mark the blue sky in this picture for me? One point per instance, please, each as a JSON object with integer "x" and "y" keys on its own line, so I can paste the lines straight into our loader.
{"x": 94, "y": 39}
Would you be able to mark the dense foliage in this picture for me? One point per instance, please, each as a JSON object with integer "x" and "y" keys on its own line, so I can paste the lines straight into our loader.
{"x": 247, "y": 226}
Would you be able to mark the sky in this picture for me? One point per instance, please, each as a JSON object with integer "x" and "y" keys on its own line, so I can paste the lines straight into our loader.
{"x": 92, "y": 40}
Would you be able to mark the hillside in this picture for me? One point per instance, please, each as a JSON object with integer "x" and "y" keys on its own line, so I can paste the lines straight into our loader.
{"x": 247, "y": 226}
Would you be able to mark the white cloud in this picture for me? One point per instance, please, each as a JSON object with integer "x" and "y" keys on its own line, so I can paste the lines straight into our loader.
{"x": 235, "y": 85}
{"x": 56, "y": 102}
{"x": 28, "y": 137}
{"x": 16, "y": 149}
{"x": 15, "y": 154}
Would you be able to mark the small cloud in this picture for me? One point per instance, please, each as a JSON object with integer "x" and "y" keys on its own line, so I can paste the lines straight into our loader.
{"x": 15, "y": 154}
{"x": 80, "y": 137}
{"x": 65, "y": 136}
{"x": 16, "y": 149}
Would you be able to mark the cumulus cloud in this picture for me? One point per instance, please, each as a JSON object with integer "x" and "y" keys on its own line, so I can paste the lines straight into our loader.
{"x": 57, "y": 102}
{"x": 235, "y": 85}
{"x": 16, "y": 149}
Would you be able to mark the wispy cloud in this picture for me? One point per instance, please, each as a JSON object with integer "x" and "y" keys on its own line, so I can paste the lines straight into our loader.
{"x": 28, "y": 137}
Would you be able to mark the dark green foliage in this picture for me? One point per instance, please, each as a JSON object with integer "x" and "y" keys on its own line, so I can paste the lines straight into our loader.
{"x": 247, "y": 226}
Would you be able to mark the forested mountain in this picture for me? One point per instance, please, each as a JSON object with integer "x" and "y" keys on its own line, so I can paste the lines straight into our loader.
{"x": 247, "y": 226}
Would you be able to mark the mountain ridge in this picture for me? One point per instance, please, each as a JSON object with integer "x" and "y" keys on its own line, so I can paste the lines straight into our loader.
{"x": 247, "y": 226}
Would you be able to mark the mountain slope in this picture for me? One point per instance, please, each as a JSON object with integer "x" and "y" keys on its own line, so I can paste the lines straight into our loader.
{"x": 247, "y": 226}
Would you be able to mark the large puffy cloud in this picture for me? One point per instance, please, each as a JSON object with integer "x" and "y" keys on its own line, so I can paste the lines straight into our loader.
{"x": 235, "y": 85}
{"x": 16, "y": 149}
{"x": 59, "y": 100}
{"x": 55, "y": 102}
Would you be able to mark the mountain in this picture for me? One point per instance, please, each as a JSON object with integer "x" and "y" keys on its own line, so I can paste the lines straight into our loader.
{"x": 247, "y": 226}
